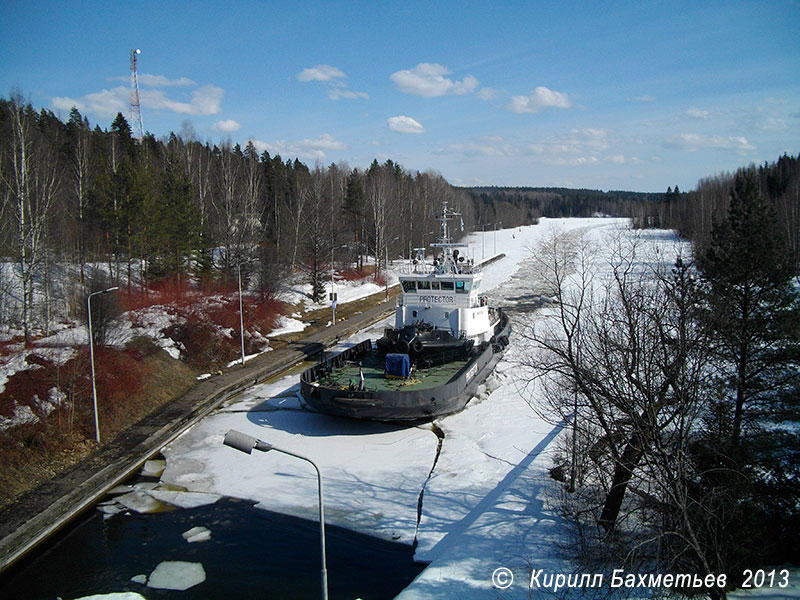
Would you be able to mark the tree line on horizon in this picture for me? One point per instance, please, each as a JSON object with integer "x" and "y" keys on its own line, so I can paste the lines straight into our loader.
{"x": 694, "y": 214}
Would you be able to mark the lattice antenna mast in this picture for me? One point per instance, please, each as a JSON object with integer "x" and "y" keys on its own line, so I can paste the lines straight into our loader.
{"x": 136, "y": 110}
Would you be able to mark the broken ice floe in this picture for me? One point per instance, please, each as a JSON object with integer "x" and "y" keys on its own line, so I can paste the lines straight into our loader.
{"x": 176, "y": 575}
{"x": 150, "y": 497}
{"x": 153, "y": 468}
{"x": 140, "y": 502}
{"x": 184, "y": 499}
{"x": 114, "y": 596}
{"x": 197, "y": 534}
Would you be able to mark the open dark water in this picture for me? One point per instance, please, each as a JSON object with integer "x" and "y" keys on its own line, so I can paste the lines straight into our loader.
{"x": 252, "y": 553}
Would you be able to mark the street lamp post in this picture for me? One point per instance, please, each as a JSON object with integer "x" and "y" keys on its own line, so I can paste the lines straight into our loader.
{"x": 247, "y": 443}
{"x": 241, "y": 315}
{"x": 333, "y": 293}
{"x": 241, "y": 312}
{"x": 495, "y": 235}
{"x": 91, "y": 357}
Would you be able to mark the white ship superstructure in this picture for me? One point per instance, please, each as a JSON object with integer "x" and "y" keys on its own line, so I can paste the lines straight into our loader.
{"x": 445, "y": 293}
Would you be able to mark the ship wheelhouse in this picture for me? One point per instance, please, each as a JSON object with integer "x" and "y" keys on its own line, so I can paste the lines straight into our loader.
{"x": 445, "y": 293}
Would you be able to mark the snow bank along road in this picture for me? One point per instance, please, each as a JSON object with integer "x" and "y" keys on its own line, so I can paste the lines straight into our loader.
{"x": 41, "y": 512}
{"x": 418, "y": 485}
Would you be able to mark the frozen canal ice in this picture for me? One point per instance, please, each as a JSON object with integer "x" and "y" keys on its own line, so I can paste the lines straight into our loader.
{"x": 374, "y": 473}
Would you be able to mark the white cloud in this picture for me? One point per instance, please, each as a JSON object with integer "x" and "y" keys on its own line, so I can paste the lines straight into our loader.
{"x": 403, "y": 124}
{"x": 772, "y": 124}
{"x": 428, "y": 80}
{"x": 321, "y": 73}
{"x": 692, "y": 142}
{"x": 576, "y": 142}
{"x": 540, "y": 98}
{"x": 697, "y": 113}
{"x": 487, "y": 93}
{"x": 325, "y": 141}
{"x": 157, "y": 80}
{"x": 335, "y": 79}
{"x": 205, "y": 100}
{"x": 104, "y": 104}
{"x": 486, "y": 146}
{"x": 580, "y": 147}
{"x": 621, "y": 159}
{"x": 306, "y": 149}
{"x": 226, "y": 126}
{"x": 338, "y": 93}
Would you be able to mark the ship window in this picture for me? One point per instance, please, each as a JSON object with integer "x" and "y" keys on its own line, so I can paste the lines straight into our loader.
{"x": 414, "y": 314}
{"x": 424, "y": 285}
{"x": 462, "y": 287}
{"x": 409, "y": 286}
{"x": 434, "y": 285}
{"x": 447, "y": 315}
{"x": 447, "y": 285}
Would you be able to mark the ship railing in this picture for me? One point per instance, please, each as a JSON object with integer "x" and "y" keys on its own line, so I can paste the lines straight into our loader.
{"x": 439, "y": 358}
{"x": 465, "y": 268}
{"x": 325, "y": 367}
{"x": 408, "y": 267}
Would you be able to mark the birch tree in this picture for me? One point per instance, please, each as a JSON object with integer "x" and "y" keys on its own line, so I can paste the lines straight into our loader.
{"x": 32, "y": 181}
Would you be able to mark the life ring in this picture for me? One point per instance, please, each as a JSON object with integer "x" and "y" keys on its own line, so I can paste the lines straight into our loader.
{"x": 416, "y": 346}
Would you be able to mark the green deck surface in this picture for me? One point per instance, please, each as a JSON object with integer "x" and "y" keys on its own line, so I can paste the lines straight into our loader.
{"x": 375, "y": 380}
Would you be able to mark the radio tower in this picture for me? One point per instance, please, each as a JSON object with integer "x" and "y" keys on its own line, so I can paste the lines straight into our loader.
{"x": 137, "y": 127}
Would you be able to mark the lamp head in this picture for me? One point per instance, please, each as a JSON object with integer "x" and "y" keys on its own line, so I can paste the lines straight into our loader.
{"x": 245, "y": 443}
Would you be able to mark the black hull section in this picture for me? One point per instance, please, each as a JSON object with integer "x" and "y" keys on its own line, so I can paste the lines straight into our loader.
{"x": 407, "y": 405}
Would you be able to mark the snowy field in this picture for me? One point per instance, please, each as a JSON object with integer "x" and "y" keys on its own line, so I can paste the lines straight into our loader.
{"x": 479, "y": 503}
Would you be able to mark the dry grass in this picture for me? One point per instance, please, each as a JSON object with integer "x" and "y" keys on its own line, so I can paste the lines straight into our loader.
{"x": 34, "y": 453}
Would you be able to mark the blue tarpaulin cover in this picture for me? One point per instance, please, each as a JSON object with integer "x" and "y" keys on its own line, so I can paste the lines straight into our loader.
{"x": 397, "y": 365}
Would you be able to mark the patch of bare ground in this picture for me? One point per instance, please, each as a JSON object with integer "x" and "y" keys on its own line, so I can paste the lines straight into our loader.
{"x": 35, "y": 453}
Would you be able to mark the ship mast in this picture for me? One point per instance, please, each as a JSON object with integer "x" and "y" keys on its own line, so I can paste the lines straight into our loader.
{"x": 449, "y": 260}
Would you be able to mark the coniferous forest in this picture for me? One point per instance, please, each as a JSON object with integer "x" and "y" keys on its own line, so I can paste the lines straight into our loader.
{"x": 182, "y": 210}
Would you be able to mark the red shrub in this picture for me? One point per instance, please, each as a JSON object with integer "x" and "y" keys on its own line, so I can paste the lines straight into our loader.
{"x": 175, "y": 290}
{"x": 119, "y": 374}
{"x": 9, "y": 347}
{"x": 23, "y": 386}
{"x": 354, "y": 274}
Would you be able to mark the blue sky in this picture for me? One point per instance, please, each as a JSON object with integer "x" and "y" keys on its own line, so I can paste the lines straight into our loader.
{"x": 611, "y": 95}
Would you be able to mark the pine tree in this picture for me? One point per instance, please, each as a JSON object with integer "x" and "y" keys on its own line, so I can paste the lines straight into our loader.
{"x": 753, "y": 302}
{"x": 748, "y": 459}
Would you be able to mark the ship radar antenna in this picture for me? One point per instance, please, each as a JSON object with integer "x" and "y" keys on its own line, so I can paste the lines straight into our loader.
{"x": 137, "y": 126}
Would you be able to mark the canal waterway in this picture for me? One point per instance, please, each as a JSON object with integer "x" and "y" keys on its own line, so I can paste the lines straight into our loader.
{"x": 252, "y": 553}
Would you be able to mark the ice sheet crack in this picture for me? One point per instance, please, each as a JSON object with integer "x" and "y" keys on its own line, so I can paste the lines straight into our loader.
{"x": 440, "y": 436}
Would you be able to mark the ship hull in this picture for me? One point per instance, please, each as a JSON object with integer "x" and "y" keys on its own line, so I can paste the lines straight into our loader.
{"x": 408, "y": 405}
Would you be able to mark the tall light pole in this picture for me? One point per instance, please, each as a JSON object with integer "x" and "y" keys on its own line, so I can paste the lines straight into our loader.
{"x": 91, "y": 357}
{"x": 495, "y": 235}
{"x": 333, "y": 293}
{"x": 248, "y": 443}
{"x": 483, "y": 242}
{"x": 241, "y": 314}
